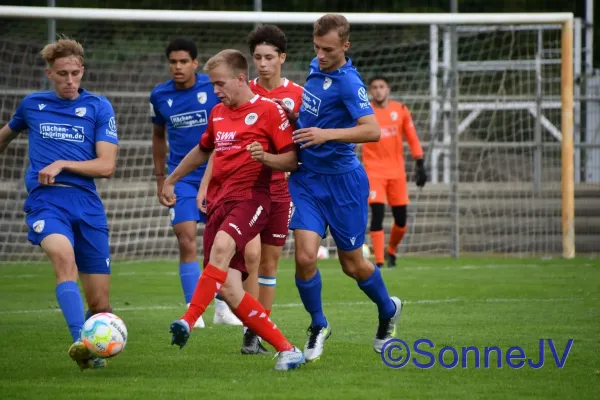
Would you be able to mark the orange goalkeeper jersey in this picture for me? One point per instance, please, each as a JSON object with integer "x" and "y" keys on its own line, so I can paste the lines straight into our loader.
{"x": 385, "y": 159}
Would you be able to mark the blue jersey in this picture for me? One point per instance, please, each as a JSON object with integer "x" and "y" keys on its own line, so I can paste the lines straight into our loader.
{"x": 185, "y": 113}
{"x": 60, "y": 129}
{"x": 332, "y": 100}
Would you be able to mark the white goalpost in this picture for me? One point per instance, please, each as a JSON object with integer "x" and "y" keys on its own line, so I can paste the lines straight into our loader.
{"x": 492, "y": 97}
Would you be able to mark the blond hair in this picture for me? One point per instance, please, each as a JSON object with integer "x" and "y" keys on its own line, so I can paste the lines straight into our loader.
{"x": 329, "y": 22}
{"x": 63, "y": 47}
{"x": 234, "y": 59}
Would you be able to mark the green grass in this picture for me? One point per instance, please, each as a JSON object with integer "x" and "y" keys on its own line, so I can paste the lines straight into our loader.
{"x": 467, "y": 302}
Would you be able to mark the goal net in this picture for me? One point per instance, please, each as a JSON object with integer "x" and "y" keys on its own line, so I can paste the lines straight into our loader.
{"x": 501, "y": 194}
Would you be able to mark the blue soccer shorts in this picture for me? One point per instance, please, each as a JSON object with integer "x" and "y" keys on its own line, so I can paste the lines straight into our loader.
{"x": 77, "y": 214}
{"x": 186, "y": 207}
{"x": 339, "y": 202}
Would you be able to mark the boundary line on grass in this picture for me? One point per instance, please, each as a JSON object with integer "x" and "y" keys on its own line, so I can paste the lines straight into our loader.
{"x": 334, "y": 303}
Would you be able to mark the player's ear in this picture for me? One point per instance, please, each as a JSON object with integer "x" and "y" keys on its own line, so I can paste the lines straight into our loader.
{"x": 195, "y": 63}
{"x": 282, "y": 57}
{"x": 48, "y": 72}
{"x": 346, "y": 46}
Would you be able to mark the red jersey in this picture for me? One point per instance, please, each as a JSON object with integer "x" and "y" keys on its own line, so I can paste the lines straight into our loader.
{"x": 235, "y": 174}
{"x": 291, "y": 94}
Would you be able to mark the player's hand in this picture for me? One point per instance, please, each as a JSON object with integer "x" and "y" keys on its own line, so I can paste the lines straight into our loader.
{"x": 292, "y": 116}
{"x": 167, "y": 195}
{"x": 201, "y": 199}
{"x": 310, "y": 136}
{"x": 256, "y": 151}
{"x": 46, "y": 176}
{"x": 420, "y": 173}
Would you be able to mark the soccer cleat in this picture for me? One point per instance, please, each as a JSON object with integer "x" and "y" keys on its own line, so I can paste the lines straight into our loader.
{"x": 93, "y": 363}
{"x": 180, "y": 332}
{"x": 79, "y": 352}
{"x": 391, "y": 259}
{"x": 316, "y": 339}
{"x": 289, "y": 359}
{"x": 224, "y": 316}
{"x": 200, "y": 322}
{"x": 251, "y": 344}
{"x": 387, "y": 327}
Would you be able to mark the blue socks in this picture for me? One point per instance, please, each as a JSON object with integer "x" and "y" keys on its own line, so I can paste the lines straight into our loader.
{"x": 374, "y": 287}
{"x": 310, "y": 293}
{"x": 71, "y": 304}
{"x": 189, "y": 273}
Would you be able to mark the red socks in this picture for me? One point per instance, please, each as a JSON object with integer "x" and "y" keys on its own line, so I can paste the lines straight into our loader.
{"x": 208, "y": 286}
{"x": 253, "y": 315}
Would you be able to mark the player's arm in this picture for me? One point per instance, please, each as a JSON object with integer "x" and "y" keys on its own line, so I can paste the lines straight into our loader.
{"x": 103, "y": 166}
{"x": 159, "y": 154}
{"x": 410, "y": 133}
{"x": 366, "y": 130}
{"x": 194, "y": 159}
{"x": 7, "y": 135}
{"x": 285, "y": 160}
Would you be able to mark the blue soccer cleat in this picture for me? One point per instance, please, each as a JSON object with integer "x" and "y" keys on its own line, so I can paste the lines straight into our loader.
{"x": 181, "y": 332}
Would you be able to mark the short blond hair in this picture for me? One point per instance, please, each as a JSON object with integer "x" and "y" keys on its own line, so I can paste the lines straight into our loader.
{"x": 63, "y": 47}
{"x": 234, "y": 59}
{"x": 329, "y": 22}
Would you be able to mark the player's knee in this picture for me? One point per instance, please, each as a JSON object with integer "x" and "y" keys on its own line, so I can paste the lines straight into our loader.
{"x": 187, "y": 243}
{"x": 377, "y": 211}
{"x": 305, "y": 259}
{"x": 64, "y": 267}
{"x": 399, "y": 213}
{"x": 353, "y": 263}
{"x": 252, "y": 255}
{"x": 222, "y": 250}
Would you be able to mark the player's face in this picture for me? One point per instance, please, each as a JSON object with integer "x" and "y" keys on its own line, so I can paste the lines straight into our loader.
{"x": 379, "y": 91}
{"x": 182, "y": 67}
{"x": 227, "y": 86}
{"x": 330, "y": 50}
{"x": 267, "y": 61}
{"x": 65, "y": 74}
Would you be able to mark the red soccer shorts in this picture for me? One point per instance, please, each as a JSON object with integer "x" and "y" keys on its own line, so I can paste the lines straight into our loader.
{"x": 276, "y": 230}
{"x": 242, "y": 220}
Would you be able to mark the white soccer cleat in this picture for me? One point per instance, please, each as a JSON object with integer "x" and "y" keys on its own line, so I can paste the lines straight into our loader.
{"x": 289, "y": 359}
{"x": 387, "y": 327}
{"x": 224, "y": 315}
{"x": 200, "y": 322}
{"x": 316, "y": 341}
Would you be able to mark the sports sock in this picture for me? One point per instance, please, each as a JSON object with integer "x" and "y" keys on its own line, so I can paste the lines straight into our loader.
{"x": 378, "y": 241}
{"x": 71, "y": 304}
{"x": 189, "y": 273}
{"x": 374, "y": 287}
{"x": 208, "y": 285}
{"x": 395, "y": 238}
{"x": 253, "y": 315}
{"x": 310, "y": 293}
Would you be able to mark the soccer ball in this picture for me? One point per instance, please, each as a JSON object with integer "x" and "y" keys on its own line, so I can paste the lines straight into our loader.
{"x": 323, "y": 253}
{"x": 104, "y": 334}
{"x": 365, "y": 250}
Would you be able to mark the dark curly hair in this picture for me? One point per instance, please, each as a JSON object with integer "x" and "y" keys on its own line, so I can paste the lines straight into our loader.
{"x": 267, "y": 34}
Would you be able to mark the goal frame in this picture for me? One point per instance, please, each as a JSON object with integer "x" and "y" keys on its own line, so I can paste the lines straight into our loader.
{"x": 566, "y": 21}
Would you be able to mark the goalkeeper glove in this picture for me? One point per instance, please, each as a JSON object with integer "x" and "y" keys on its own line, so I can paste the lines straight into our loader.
{"x": 420, "y": 174}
